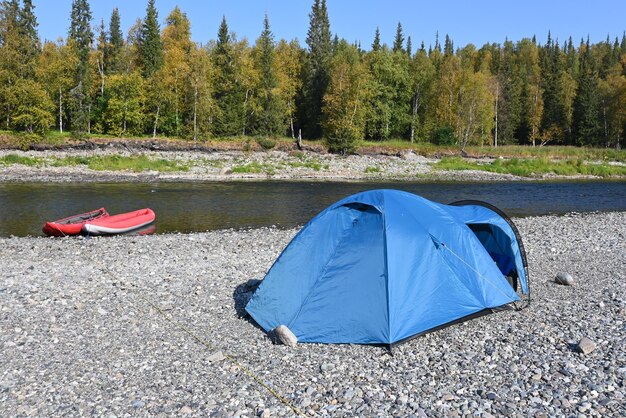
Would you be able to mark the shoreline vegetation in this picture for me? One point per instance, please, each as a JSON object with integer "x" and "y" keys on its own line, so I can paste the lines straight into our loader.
{"x": 155, "y": 80}
{"x": 60, "y": 158}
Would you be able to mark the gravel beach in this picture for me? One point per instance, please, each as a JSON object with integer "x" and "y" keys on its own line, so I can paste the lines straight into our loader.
{"x": 239, "y": 165}
{"x": 80, "y": 337}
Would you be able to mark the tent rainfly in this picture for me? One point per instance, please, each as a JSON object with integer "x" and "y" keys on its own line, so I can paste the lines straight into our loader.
{"x": 382, "y": 266}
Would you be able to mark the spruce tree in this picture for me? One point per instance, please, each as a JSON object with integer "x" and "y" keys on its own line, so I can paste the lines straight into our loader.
{"x": 113, "y": 56}
{"x": 376, "y": 43}
{"x": 80, "y": 38}
{"x": 150, "y": 45}
{"x": 30, "y": 38}
{"x": 398, "y": 42}
{"x": 409, "y": 47}
{"x": 317, "y": 70}
{"x": 448, "y": 49}
{"x": 228, "y": 93}
{"x": 587, "y": 126}
{"x": 554, "y": 118}
{"x": 270, "y": 120}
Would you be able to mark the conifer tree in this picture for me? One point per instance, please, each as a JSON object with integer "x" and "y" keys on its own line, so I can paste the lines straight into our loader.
{"x": 448, "y": 49}
{"x": 150, "y": 45}
{"x": 28, "y": 30}
{"x": 553, "y": 122}
{"x": 270, "y": 120}
{"x": 409, "y": 47}
{"x": 80, "y": 38}
{"x": 113, "y": 57}
{"x": 228, "y": 93}
{"x": 398, "y": 42}
{"x": 376, "y": 43}
{"x": 586, "y": 119}
{"x": 317, "y": 71}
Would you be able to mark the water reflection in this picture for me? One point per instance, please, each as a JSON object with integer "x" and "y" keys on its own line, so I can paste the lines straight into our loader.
{"x": 189, "y": 207}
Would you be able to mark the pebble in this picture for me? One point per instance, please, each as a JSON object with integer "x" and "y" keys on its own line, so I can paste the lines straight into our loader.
{"x": 565, "y": 279}
{"x": 138, "y": 404}
{"x": 585, "y": 346}
{"x": 285, "y": 336}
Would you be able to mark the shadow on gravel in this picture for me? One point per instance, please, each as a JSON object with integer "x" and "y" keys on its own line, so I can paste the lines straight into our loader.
{"x": 242, "y": 294}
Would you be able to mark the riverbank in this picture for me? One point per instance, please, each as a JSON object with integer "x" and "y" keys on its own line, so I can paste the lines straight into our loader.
{"x": 132, "y": 165}
{"x": 79, "y": 335}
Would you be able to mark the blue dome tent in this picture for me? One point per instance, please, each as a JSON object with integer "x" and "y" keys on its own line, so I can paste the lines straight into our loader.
{"x": 382, "y": 266}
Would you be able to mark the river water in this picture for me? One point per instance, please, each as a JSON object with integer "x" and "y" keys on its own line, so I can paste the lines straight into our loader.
{"x": 192, "y": 207}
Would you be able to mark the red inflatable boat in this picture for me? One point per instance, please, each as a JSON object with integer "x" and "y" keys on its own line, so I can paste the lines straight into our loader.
{"x": 119, "y": 224}
{"x": 72, "y": 225}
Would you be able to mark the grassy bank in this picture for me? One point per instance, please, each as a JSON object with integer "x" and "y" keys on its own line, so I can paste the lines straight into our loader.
{"x": 535, "y": 167}
{"x": 135, "y": 163}
{"x": 54, "y": 139}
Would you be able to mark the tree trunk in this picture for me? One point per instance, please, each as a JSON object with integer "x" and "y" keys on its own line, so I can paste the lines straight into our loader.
{"x": 606, "y": 130}
{"x": 293, "y": 134}
{"x": 156, "y": 121}
{"x": 299, "y": 142}
{"x": 60, "y": 110}
{"x": 495, "y": 139}
{"x": 195, "y": 112}
{"x": 125, "y": 110}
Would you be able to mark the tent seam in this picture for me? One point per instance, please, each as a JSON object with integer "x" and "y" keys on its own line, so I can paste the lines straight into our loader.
{"x": 384, "y": 231}
{"x": 322, "y": 273}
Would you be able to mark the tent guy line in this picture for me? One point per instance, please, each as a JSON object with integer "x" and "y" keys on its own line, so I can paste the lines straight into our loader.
{"x": 182, "y": 327}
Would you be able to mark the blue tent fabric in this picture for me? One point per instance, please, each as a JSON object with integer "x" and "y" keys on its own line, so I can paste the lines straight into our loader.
{"x": 382, "y": 266}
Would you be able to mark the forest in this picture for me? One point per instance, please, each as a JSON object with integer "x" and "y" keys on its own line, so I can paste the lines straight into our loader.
{"x": 155, "y": 81}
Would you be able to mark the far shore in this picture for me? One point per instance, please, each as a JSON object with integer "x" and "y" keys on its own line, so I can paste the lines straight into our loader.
{"x": 68, "y": 165}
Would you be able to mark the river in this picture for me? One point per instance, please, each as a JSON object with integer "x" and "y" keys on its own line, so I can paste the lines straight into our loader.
{"x": 193, "y": 207}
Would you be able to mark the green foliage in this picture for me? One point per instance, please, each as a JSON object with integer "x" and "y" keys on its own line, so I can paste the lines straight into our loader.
{"x": 314, "y": 165}
{"x": 534, "y": 167}
{"x": 150, "y": 46}
{"x": 135, "y": 163}
{"x": 124, "y": 113}
{"x": 228, "y": 92}
{"x": 266, "y": 143}
{"x": 11, "y": 159}
{"x": 444, "y": 136}
{"x": 32, "y": 107}
{"x": 372, "y": 170}
{"x": 254, "y": 168}
{"x": 270, "y": 117}
{"x": 317, "y": 68}
{"x": 344, "y": 102}
{"x": 163, "y": 83}
{"x": 113, "y": 54}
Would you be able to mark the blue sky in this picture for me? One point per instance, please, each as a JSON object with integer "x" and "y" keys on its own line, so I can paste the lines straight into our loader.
{"x": 476, "y": 21}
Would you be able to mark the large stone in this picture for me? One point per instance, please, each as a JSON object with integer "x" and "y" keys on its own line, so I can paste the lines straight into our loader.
{"x": 585, "y": 345}
{"x": 215, "y": 357}
{"x": 285, "y": 336}
{"x": 565, "y": 279}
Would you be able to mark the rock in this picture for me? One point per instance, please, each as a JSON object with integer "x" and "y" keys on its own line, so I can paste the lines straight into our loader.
{"x": 215, "y": 357}
{"x": 585, "y": 346}
{"x": 285, "y": 336}
{"x": 565, "y": 279}
{"x": 138, "y": 404}
{"x": 185, "y": 410}
{"x": 326, "y": 367}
